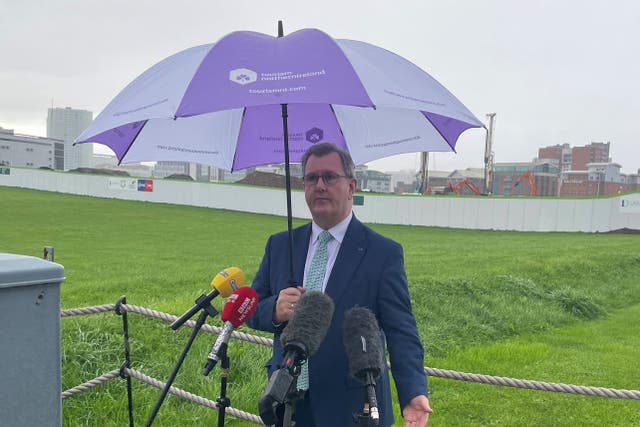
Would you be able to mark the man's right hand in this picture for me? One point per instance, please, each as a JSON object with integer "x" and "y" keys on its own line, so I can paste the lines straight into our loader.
{"x": 286, "y": 304}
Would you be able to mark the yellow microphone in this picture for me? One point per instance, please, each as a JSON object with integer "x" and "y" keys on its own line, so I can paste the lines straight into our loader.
{"x": 228, "y": 280}
{"x": 224, "y": 283}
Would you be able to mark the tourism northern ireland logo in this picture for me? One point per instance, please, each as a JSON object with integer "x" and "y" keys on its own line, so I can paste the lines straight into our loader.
{"x": 314, "y": 135}
{"x": 243, "y": 76}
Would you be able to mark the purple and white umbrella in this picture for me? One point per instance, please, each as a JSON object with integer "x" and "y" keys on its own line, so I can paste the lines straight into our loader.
{"x": 220, "y": 104}
{"x": 253, "y": 99}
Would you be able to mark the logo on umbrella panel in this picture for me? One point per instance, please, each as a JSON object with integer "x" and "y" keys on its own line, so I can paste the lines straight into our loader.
{"x": 243, "y": 76}
{"x": 314, "y": 135}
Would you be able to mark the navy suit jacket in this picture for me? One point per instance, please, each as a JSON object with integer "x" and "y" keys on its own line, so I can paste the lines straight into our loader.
{"x": 368, "y": 272}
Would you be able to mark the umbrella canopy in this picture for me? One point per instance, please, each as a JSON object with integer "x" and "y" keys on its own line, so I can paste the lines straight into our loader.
{"x": 220, "y": 104}
{"x": 253, "y": 99}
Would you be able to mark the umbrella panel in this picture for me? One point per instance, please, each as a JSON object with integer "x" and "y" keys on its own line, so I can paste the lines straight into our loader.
{"x": 239, "y": 139}
{"x": 261, "y": 135}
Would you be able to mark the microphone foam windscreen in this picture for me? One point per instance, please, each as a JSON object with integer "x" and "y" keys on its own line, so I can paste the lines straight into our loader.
{"x": 240, "y": 305}
{"x": 362, "y": 342}
{"x": 310, "y": 321}
{"x": 228, "y": 280}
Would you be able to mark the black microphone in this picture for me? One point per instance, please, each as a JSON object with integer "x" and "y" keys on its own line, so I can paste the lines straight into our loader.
{"x": 307, "y": 327}
{"x": 364, "y": 350}
{"x": 300, "y": 339}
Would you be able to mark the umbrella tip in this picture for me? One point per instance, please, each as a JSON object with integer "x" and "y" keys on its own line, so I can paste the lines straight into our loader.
{"x": 280, "y": 29}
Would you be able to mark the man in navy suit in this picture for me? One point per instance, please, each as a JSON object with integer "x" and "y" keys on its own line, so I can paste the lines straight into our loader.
{"x": 363, "y": 268}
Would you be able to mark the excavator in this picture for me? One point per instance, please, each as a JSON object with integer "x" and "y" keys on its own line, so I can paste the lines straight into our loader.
{"x": 532, "y": 183}
{"x": 465, "y": 181}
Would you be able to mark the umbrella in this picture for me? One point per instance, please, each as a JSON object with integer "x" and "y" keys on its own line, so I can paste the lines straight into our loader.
{"x": 253, "y": 99}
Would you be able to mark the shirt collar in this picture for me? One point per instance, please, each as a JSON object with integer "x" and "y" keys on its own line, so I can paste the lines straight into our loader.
{"x": 338, "y": 231}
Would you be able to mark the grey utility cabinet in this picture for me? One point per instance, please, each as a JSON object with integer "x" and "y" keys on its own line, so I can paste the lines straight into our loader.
{"x": 30, "y": 372}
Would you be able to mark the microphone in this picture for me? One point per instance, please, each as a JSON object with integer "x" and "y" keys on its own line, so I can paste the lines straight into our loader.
{"x": 362, "y": 343}
{"x": 306, "y": 329}
{"x": 227, "y": 281}
{"x": 238, "y": 308}
{"x": 224, "y": 283}
{"x": 300, "y": 339}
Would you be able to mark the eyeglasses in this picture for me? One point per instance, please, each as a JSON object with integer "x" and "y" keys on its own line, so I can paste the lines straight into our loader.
{"x": 329, "y": 178}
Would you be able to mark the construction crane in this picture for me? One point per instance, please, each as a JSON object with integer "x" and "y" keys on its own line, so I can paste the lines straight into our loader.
{"x": 532, "y": 183}
{"x": 488, "y": 155}
{"x": 464, "y": 182}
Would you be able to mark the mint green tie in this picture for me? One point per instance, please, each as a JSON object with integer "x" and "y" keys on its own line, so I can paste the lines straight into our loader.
{"x": 315, "y": 277}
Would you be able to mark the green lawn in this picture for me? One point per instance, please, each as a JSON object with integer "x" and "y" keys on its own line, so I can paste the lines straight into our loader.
{"x": 557, "y": 307}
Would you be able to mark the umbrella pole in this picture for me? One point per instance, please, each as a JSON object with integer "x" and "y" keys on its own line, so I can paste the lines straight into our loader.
{"x": 287, "y": 179}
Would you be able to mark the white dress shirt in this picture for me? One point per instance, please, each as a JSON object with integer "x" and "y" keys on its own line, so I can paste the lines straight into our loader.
{"x": 337, "y": 232}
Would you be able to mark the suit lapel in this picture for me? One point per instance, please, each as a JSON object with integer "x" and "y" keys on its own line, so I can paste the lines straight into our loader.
{"x": 300, "y": 248}
{"x": 352, "y": 250}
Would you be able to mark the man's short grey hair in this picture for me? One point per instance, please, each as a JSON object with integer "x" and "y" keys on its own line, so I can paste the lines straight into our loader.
{"x": 325, "y": 148}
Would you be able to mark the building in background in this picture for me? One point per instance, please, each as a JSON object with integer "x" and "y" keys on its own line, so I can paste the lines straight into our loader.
{"x": 30, "y": 151}
{"x": 66, "y": 124}
{"x": 633, "y": 180}
{"x": 558, "y": 155}
{"x": 104, "y": 161}
{"x": 526, "y": 179}
{"x": 270, "y": 179}
{"x": 167, "y": 168}
{"x": 474, "y": 176}
{"x": 596, "y": 152}
{"x": 110, "y": 162}
{"x": 221, "y": 175}
{"x": 569, "y": 158}
{"x": 197, "y": 171}
{"x": 370, "y": 180}
{"x": 405, "y": 181}
{"x": 295, "y": 169}
{"x": 587, "y": 170}
{"x": 598, "y": 179}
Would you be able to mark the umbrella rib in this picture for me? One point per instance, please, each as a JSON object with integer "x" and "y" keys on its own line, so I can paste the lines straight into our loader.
{"x": 338, "y": 122}
{"x": 132, "y": 141}
{"x": 235, "y": 153}
{"x": 453, "y": 148}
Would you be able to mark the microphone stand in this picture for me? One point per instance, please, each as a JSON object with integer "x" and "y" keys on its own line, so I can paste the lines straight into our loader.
{"x": 369, "y": 415}
{"x": 203, "y": 303}
{"x": 223, "y": 401}
{"x": 280, "y": 397}
{"x": 290, "y": 404}
{"x": 364, "y": 418}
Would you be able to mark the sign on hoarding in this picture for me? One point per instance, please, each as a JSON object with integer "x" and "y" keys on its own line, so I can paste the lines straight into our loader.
{"x": 630, "y": 203}
{"x": 129, "y": 184}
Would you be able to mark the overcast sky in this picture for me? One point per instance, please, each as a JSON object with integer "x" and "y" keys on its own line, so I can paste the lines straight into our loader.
{"x": 553, "y": 71}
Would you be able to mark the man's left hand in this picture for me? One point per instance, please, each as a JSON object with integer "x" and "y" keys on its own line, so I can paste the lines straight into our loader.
{"x": 416, "y": 413}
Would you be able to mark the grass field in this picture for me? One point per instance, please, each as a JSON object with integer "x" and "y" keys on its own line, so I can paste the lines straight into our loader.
{"x": 557, "y": 307}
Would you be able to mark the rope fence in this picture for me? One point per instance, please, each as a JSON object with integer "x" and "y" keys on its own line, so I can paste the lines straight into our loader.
{"x": 126, "y": 371}
{"x": 193, "y": 397}
{"x": 534, "y": 385}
